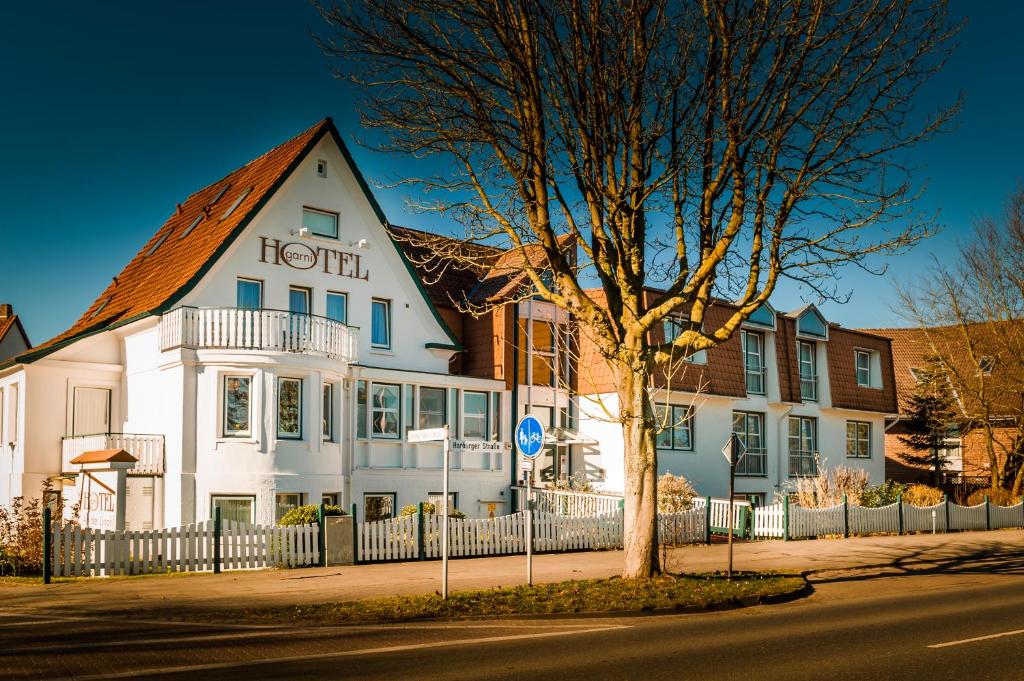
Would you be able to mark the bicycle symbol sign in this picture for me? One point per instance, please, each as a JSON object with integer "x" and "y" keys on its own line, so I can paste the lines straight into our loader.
{"x": 529, "y": 436}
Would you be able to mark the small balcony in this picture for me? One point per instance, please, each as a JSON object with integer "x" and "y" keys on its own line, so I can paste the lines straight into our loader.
{"x": 753, "y": 464}
{"x": 231, "y": 328}
{"x": 148, "y": 449}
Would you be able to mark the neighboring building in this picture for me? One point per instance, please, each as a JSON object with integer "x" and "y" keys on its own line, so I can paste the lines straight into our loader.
{"x": 13, "y": 339}
{"x": 978, "y": 364}
{"x": 276, "y": 339}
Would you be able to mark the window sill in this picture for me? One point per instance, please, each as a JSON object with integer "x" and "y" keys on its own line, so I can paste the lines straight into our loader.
{"x": 378, "y": 350}
{"x": 248, "y": 440}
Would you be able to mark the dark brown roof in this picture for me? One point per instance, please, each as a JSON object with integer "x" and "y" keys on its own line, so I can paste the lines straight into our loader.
{"x": 448, "y": 282}
{"x": 842, "y": 372}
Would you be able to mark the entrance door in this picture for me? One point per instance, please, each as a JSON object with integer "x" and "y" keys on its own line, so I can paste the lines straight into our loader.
{"x": 91, "y": 411}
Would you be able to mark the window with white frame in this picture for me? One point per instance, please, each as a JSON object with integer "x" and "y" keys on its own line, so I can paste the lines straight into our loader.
{"x": 285, "y": 502}
{"x": 862, "y": 362}
{"x": 237, "y": 415}
{"x": 808, "y": 371}
{"x": 327, "y": 416}
{"x": 803, "y": 446}
{"x": 858, "y": 439}
{"x": 676, "y": 424}
{"x": 386, "y": 410}
{"x": 474, "y": 415}
{"x": 239, "y": 508}
{"x": 337, "y": 307}
{"x": 289, "y": 408}
{"x": 378, "y": 506}
{"x": 749, "y": 427}
{"x": 320, "y": 222}
{"x": 986, "y": 364}
{"x": 673, "y": 327}
{"x": 431, "y": 407}
{"x": 362, "y": 412}
{"x": 380, "y": 323}
{"x": 753, "y": 361}
{"x": 248, "y": 294}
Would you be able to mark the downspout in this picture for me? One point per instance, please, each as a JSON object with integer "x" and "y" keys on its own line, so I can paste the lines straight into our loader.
{"x": 348, "y": 450}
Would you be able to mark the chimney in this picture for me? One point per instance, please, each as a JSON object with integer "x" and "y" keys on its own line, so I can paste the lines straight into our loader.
{"x": 6, "y": 310}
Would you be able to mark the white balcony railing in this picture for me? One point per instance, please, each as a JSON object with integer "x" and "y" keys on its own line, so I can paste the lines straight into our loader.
{"x": 274, "y": 330}
{"x": 148, "y": 449}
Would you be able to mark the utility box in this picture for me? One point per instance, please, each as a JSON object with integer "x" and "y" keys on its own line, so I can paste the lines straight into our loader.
{"x": 338, "y": 540}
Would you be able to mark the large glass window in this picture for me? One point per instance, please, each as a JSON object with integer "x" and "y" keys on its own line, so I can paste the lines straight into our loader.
{"x": 803, "y": 446}
{"x": 285, "y": 502}
{"x": 320, "y": 222}
{"x": 236, "y": 422}
{"x": 862, "y": 359}
{"x": 858, "y": 439}
{"x": 676, "y": 423}
{"x": 337, "y": 307}
{"x": 327, "y": 417}
{"x": 249, "y": 294}
{"x": 380, "y": 332}
{"x": 808, "y": 371}
{"x": 749, "y": 427}
{"x": 378, "y": 506}
{"x": 298, "y": 300}
{"x": 474, "y": 415}
{"x": 431, "y": 407}
{"x": 386, "y": 408}
{"x": 238, "y": 508}
{"x": 361, "y": 409}
{"x": 753, "y": 359}
{"x": 289, "y": 408}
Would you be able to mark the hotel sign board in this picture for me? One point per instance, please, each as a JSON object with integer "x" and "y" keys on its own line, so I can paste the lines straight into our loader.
{"x": 302, "y": 256}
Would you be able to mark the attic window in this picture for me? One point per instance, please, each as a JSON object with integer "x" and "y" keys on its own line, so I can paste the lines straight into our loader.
{"x": 100, "y": 308}
{"x": 986, "y": 364}
{"x": 195, "y": 223}
{"x": 321, "y": 168}
{"x": 238, "y": 201}
{"x": 157, "y": 245}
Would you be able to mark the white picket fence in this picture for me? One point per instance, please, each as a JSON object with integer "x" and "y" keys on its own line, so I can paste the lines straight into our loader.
{"x": 89, "y": 552}
{"x": 924, "y": 518}
{"x": 770, "y": 522}
{"x": 807, "y": 523}
{"x": 720, "y": 511}
{"x": 569, "y": 502}
{"x": 684, "y": 527}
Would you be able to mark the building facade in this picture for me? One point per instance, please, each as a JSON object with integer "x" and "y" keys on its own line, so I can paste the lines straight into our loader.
{"x": 275, "y": 341}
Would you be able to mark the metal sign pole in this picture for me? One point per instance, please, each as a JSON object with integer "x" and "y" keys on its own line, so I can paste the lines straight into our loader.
{"x": 529, "y": 529}
{"x": 732, "y": 480}
{"x": 444, "y": 522}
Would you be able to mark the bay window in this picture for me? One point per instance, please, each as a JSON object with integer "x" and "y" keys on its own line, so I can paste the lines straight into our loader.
{"x": 289, "y": 408}
{"x": 474, "y": 415}
{"x": 236, "y": 421}
{"x": 385, "y": 413}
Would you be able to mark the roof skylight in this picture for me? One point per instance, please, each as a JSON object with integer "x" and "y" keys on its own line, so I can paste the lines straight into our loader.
{"x": 241, "y": 197}
{"x": 220, "y": 194}
{"x": 195, "y": 223}
{"x": 100, "y": 308}
{"x": 157, "y": 245}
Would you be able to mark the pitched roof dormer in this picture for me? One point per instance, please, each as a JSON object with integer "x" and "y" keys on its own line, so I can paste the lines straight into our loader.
{"x": 810, "y": 323}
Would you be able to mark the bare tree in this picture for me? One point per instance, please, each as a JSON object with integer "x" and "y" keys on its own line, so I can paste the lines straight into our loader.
{"x": 972, "y": 311}
{"x": 709, "y": 148}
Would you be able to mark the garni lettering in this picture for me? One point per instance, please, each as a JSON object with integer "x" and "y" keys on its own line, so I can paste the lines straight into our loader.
{"x": 303, "y": 256}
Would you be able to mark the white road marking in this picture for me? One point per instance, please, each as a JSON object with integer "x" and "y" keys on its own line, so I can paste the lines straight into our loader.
{"x": 326, "y": 656}
{"x": 947, "y": 644}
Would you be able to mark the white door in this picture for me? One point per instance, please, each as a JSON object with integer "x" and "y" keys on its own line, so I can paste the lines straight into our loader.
{"x": 91, "y": 411}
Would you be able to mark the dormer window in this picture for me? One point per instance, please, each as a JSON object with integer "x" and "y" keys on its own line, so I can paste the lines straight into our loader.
{"x": 753, "y": 361}
{"x": 986, "y": 364}
{"x": 810, "y": 324}
{"x": 862, "y": 361}
{"x": 674, "y": 327}
{"x": 763, "y": 316}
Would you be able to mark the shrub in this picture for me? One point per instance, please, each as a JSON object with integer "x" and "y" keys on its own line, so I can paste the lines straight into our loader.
{"x": 428, "y": 508}
{"x": 827, "y": 488}
{"x": 577, "y": 483}
{"x": 307, "y": 515}
{"x": 675, "y": 493}
{"x": 999, "y": 497}
{"x": 21, "y": 537}
{"x": 922, "y": 495}
{"x": 882, "y": 495}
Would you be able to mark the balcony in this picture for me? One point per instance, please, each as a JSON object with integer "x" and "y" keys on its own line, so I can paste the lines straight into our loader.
{"x": 230, "y": 328}
{"x": 148, "y": 449}
{"x": 753, "y": 464}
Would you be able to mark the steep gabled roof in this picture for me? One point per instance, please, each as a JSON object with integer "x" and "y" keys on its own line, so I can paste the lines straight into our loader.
{"x": 199, "y": 231}
{"x": 11, "y": 324}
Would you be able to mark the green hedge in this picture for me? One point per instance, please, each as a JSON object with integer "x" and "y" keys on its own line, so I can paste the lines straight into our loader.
{"x": 306, "y": 515}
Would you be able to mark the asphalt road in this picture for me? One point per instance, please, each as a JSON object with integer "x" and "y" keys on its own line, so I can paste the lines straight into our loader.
{"x": 962, "y": 621}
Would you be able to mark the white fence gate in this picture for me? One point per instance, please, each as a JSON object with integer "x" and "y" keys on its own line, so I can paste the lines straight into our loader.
{"x": 82, "y": 551}
{"x": 770, "y": 522}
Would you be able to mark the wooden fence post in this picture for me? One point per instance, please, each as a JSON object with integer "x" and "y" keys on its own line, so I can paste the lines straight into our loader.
{"x": 785, "y": 518}
{"x": 47, "y": 537}
{"x": 988, "y": 514}
{"x": 846, "y": 517}
{"x": 899, "y": 508}
{"x": 707, "y": 520}
{"x": 421, "y": 542}
{"x": 945, "y": 501}
{"x": 355, "y": 536}
{"x": 321, "y": 534}
{"x": 216, "y": 540}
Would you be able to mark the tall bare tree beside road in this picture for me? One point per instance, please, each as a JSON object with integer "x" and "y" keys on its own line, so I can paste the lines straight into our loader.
{"x": 707, "y": 148}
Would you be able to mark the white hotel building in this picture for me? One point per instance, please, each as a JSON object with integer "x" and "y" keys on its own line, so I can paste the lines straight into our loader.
{"x": 271, "y": 345}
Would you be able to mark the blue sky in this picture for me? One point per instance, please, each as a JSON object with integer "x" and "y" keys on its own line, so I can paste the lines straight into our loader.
{"x": 112, "y": 112}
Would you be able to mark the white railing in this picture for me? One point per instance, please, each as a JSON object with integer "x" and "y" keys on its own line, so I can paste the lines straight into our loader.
{"x": 88, "y": 552}
{"x": 568, "y": 502}
{"x": 148, "y": 449}
{"x": 274, "y": 330}
{"x": 754, "y": 463}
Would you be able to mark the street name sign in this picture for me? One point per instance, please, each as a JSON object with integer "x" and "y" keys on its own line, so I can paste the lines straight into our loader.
{"x": 480, "y": 446}
{"x": 427, "y": 435}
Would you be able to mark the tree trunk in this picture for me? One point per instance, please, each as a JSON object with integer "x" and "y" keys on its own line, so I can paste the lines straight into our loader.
{"x": 640, "y": 538}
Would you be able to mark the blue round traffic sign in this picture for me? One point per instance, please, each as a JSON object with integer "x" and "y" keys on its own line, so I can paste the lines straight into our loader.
{"x": 529, "y": 436}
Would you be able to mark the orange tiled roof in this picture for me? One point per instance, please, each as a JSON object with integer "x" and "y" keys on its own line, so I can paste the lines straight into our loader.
{"x": 104, "y": 456}
{"x": 198, "y": 231}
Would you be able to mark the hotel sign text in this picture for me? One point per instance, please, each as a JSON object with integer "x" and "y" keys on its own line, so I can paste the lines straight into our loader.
{"x": 302, "y": 256}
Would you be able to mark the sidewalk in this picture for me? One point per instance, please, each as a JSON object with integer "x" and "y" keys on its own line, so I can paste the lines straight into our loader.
{"x": 178, "y": 596}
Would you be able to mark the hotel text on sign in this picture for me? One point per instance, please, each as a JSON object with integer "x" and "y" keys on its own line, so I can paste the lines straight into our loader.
{"x": 303, "y": 256}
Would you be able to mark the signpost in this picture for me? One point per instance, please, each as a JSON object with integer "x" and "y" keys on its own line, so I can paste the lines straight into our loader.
{"x": 529, "y": 437}
{"x": 433, "y": 435}
{"x": 733, "y": 451}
